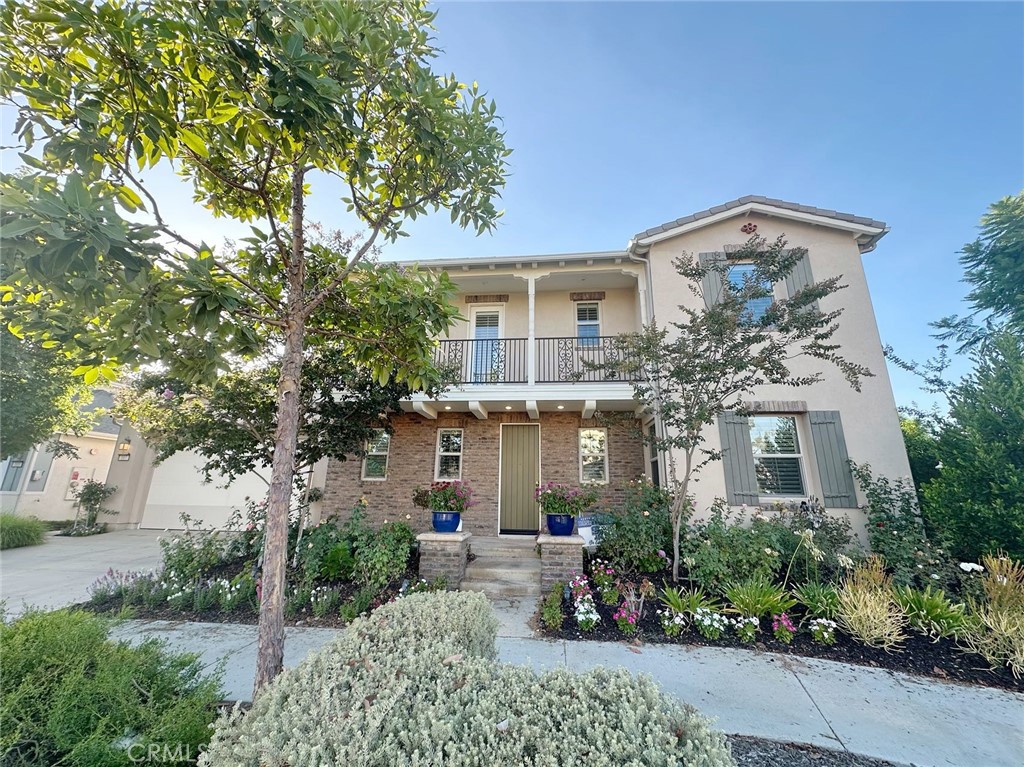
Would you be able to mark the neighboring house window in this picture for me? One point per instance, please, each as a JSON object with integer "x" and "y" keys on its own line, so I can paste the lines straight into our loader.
{"x": 12, "y": 473}
{"x": 449, "y": 454}
{"x": 756, "y": 307}
{"x": 588, "y": 323}
{"x": 777, "y": 456}
{"x": 594, "y": 455}
{"x": 375, "y": 464}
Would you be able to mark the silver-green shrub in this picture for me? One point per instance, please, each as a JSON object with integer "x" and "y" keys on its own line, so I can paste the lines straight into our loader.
{"x": 416, "y": 685}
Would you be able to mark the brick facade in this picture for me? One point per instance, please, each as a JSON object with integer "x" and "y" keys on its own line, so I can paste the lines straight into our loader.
{"x": 411, "y": 464}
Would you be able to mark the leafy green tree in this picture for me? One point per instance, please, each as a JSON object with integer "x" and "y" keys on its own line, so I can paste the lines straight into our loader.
{"x": 976, "y": 503}
{"x": 252, "y": 102}
{"x": 994, "y": 267}
{"x": 714, "y": 356}
{"x": 232, "y": 421}
{"x": 922, "y": 451}
{"x": 39, "y": 399}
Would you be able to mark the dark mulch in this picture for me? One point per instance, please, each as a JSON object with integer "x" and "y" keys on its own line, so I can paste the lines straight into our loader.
{"x": 757, "y": 752}
{"x": 920, "y": 655}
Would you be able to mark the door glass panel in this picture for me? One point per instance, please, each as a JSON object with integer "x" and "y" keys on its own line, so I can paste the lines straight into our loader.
{"x": 486, "y": 348}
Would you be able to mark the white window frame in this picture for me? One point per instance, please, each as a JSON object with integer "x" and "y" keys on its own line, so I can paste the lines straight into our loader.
{"x": 438, "y": 454}
{"x": 799, "y": 455}
{"x": 586, "y": 341}
{"x": 728, "y": 284}
{"x": 579, "y": 447}
{"x": 386, "y": 454}
{"x": 474, "y": 342}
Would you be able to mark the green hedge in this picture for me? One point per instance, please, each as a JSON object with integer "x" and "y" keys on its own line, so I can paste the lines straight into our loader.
{"x": 18, "y": 531}
{"x": 416, "y": 684}
{"x": 71, "y": 696}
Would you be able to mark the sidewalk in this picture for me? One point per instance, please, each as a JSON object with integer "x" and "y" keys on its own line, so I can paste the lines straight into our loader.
{"x": 867, "y": 711}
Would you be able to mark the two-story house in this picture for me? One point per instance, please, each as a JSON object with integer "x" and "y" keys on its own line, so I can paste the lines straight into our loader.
{"x": 525, "y": 407}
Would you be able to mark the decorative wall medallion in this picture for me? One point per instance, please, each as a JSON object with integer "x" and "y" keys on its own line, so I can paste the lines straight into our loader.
{"x": 748, "y": 228}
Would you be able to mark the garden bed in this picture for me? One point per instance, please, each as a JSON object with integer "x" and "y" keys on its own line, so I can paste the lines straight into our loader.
{"x": 249, "y": 613}
{"x": 920, "y": 655}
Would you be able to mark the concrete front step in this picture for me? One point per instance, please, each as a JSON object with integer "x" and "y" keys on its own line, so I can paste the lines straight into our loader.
{"x": 502, "y": 590}
{"x": 502, "y": 575}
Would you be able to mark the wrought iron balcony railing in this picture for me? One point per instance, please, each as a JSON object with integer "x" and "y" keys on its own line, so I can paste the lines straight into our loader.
{"x": 556, "y": 360}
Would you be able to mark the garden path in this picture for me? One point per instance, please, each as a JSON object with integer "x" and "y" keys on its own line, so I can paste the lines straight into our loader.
{"x": 867, "y": 711}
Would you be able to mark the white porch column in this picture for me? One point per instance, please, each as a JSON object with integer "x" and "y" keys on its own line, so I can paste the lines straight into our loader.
{"x": 643, "y": 301}
{"x": 531, "y": 341}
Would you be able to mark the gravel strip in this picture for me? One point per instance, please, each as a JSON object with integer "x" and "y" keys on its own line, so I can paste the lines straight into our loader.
{"x": 758, "y": 752}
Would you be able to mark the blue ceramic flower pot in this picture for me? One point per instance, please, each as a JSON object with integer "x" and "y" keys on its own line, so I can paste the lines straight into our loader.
{"x": 560, "y": 524}
{"x": 446, "y": 521}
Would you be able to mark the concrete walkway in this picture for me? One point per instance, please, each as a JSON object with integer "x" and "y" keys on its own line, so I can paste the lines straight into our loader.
{"x": 867, "y": 711}
{"x": 60, "y": 571}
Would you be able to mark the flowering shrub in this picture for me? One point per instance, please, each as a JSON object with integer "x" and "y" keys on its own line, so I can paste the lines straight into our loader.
{"x": 556, "y": 498}
{"x": 747, "y": 627}
{"x": 584, "y": 609}
{"x": 454, "y": 496}
{"x": 324, "y": 600}
{"x": 823, "y": 630}
{"x": 603, "y": 575}
{"x": 672, "y": 622}
{"x": 710, "y": 624}
{"x": 783, "y": 628}
{"x": 632, "y": 537}
{"x": 626, "y": 619}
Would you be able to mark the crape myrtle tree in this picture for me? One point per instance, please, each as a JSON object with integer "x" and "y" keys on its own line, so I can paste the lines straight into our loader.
{"x": 250, "y": 101}
{"x": 718, "y": 352}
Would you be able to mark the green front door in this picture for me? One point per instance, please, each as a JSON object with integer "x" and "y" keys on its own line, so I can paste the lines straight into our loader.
{"x": 520, "y": 473}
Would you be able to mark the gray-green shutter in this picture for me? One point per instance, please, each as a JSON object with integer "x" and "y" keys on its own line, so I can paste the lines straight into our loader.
{"x": 833, "y": 461}
{"x": 711, "y": 285}
{"x": 738, "y": 458}
{"x": 800, "y": 277}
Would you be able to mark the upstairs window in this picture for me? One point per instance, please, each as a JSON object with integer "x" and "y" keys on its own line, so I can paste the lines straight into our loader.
{"x": 588, "y": 323}
{"x": 777, "y": 456}
{"x": 375, "y": 464}
{"x": 740, "y": 275}
{"x": 449, "y": 455}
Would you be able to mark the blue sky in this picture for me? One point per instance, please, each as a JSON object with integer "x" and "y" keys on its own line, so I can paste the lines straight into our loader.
{"x": 622, "y": 116}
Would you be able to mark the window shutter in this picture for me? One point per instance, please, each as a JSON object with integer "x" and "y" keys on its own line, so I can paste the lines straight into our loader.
{"x": 711, "y": 285}
{"x": 800, "y": 278}
{"x": 738, "y": 457}
{"x": 833, "y": 460}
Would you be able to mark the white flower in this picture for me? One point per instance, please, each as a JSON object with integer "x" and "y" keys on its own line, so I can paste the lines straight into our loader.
{"x": 971, "y": 567}
{"x": 845, "y": 561}
{"x": 935, "y": 577}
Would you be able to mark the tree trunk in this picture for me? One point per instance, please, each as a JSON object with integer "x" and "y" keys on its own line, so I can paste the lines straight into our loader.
{"x": 270, "y": 649}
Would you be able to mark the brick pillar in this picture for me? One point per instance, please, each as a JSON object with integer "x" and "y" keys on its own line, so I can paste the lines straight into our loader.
{"x": 560, "y": 557}
{"x": 444, "y": 554}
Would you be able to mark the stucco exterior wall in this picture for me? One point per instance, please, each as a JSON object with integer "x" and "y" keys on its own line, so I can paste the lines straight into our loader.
{"x": 555, "y": 314}
{"x": 869, "y": 417}
{"x": 411, "y": 464}
{"x": 47, "y": 498}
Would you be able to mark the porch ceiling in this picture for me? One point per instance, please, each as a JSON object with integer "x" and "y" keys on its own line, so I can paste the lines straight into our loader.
{"x": 483, "y": 404}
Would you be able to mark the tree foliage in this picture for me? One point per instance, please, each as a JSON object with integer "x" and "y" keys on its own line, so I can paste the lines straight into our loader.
{"x": 231, "y": 422}
{"x": 976, "y": 503}
{"x": 252, "y": 102}
{"x": 994, "y": 267}
{"x": 922, "y": 451}
{"x": 39, "y": 399}
{"x": 718, "y": 353}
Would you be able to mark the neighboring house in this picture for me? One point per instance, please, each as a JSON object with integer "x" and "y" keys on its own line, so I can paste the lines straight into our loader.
{"x": 37, "y": 484}
{"x": 155, "y": 496}
{"x": 525, "y": 408}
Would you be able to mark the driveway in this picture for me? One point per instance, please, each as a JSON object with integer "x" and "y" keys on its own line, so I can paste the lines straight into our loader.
{"x": 60, "y": 571}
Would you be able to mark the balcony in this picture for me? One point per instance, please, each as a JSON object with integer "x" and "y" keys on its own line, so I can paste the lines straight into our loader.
{"x": 544, "y": 361}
